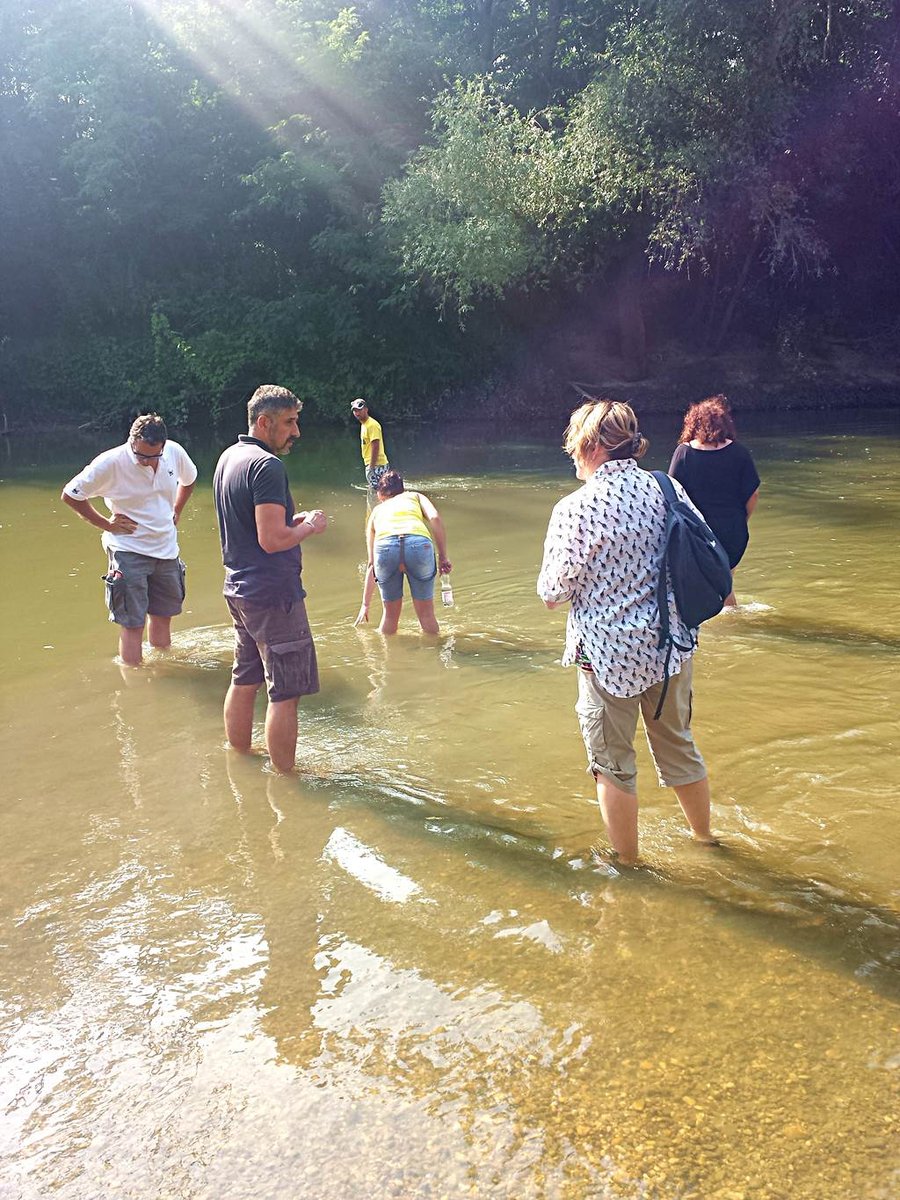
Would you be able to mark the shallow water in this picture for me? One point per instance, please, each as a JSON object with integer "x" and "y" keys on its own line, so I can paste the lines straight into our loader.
{"x": 403, "y": 973}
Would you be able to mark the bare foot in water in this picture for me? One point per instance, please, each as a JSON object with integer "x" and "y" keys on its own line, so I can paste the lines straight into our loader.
{"x": 605, "y": 856}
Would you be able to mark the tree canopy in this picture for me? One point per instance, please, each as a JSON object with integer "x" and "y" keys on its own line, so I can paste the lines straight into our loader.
{"x": 389, "y": 198}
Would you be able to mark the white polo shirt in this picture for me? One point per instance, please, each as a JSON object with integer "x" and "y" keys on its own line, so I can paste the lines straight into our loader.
{"x": 145, "y": 495}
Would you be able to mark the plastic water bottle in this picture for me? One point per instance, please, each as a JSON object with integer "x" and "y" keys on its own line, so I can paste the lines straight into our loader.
{"x": 446, "y": 592}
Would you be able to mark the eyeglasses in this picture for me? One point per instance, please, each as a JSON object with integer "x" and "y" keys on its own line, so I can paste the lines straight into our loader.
{"x": 146, "y": 457}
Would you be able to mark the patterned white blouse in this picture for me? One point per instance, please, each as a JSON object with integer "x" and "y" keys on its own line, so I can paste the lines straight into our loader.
{"x": 602, "y": 553}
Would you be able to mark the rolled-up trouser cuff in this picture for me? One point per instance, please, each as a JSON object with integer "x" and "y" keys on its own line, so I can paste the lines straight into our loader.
{"x": 609, "y": 723}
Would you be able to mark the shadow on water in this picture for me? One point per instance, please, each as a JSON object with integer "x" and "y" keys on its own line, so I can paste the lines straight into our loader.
{"x": 812, "y": 918}
{"x": 803, "y": 630}
{"x": 809, "y": 916}
{"x": 498, "y": 648}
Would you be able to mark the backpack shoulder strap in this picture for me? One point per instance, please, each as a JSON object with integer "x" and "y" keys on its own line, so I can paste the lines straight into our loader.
{"x": 662, "y": 601}
{"x": 666, "y": 641}
{"x": 662, "y": 598}
{"x": 666, "y": 487}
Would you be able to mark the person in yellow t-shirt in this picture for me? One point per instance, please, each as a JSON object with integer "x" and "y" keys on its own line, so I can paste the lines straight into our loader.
{"x": 371, "y": 441}
{"x": 405, "y": 536}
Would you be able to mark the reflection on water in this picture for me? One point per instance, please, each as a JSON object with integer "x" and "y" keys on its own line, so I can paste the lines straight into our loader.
{"x": 404, "y": 973}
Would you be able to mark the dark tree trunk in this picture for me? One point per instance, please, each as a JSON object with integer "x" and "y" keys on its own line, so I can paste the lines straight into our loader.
{"x": 711, "y": 311}
{"x": 736, "y": 294}
{"x": 549, "y": 40}
{"x": 632, "y": 330}
{"x": 486, "y": 30}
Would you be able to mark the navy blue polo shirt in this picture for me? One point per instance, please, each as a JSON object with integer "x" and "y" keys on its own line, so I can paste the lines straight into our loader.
{"x": 247, "y": 474}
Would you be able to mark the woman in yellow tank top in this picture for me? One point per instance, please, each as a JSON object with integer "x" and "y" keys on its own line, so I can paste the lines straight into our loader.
{"x": 405, "y": 536}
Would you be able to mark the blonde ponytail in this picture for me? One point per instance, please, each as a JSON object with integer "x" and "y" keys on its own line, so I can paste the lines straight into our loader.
{"x": 607, "y": 424}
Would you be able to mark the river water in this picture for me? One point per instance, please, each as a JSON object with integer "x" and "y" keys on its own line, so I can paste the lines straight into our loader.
{"x": 403, "y": 973}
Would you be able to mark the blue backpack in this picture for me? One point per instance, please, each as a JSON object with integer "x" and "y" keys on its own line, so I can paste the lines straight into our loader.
{"x": 694, "y": 561}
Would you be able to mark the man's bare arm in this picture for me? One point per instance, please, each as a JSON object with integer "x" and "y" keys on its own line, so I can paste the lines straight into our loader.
{"x": 181, "y": 498}
{"x": 116, "y": 523}
{"x": 274, "y": 536}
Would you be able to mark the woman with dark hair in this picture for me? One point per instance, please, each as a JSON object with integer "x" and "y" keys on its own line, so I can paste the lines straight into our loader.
{"x": 718, "y": 474}
{"x": 401, "y": 535}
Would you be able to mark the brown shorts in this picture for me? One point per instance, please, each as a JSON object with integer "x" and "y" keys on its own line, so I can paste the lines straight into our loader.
{"x": 275, "y": 645}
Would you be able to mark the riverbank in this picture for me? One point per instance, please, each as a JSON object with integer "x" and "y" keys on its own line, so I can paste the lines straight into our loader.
{"x": 846, "y": 375}
{"x": 548, "y": 381}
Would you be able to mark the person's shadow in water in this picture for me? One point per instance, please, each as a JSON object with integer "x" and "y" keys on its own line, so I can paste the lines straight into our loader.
{"x": 284, "y": 828}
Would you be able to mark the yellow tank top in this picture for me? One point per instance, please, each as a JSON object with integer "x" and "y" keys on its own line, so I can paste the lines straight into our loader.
{"x": 400, "y": 514}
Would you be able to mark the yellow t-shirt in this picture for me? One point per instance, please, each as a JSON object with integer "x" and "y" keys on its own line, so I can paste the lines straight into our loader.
{"x": 400, "y": 514}
{"x": 369, "y": 432}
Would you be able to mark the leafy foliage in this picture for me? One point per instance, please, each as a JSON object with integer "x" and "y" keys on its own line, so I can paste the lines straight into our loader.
{"x": 685, "y": 143}
{"x": 469, "y": 212}
{"x": 197, "y": 197}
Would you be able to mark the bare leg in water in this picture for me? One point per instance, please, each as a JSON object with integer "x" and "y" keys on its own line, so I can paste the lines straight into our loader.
{"x": 619, "y": 810}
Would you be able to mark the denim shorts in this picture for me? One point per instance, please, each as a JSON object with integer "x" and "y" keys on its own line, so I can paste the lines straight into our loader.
{"x": 138, "y": 584}
{"x": 412, "y": 551}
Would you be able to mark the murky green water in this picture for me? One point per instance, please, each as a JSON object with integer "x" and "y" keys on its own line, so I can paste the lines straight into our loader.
{"x": 400, "y": 974}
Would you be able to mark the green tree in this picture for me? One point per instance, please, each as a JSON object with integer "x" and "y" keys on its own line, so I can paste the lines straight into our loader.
{"x": 680, "y": 151}
{"x": 198, "y": 196}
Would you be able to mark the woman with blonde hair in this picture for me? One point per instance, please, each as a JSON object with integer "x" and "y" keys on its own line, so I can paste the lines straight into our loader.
{"x": 718, "y": 474}
{"x": 602, "y": 554}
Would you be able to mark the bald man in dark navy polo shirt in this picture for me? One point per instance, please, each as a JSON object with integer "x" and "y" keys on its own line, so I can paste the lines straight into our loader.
{"x": 261, "y": 536}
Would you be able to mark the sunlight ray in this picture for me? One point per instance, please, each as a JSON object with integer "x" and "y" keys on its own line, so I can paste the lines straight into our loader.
{"x": 255, "y": 57}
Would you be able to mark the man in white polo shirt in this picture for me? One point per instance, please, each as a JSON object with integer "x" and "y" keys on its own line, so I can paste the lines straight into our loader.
{"x": 145, "y": 484}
